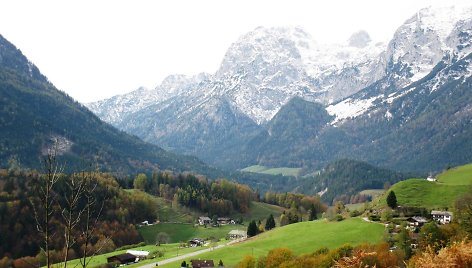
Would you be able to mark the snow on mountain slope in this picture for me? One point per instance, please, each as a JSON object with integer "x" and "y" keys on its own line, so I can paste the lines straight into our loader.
{"x": 262, "y": 71}
{"x": 431, "y": 36}
{"x": 114, "y": 109}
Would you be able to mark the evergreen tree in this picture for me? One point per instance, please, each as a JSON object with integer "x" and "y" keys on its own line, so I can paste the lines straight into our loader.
{"x": 392, "y": 199}
{"x": 312, "y": 215}
{"x": 252, "y": 229}
{"x": 183, "y": 264}
{"x": 270, "y": 223}
{"x": 220, "y": 264}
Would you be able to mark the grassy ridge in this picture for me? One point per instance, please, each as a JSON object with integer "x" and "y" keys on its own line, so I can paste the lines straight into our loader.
{"x": 451, "y": 184}
{"x": 422, "y": 193}
{"x": 284, "y": 171}
{"x": 304, "y": 237}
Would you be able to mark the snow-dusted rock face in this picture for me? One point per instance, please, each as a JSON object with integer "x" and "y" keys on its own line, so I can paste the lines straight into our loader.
{"x": 277, "y": 64}
{"x": 423, "y": 40}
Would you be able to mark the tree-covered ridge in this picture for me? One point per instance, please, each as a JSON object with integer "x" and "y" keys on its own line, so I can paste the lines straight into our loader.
{"x": 219, "y": 197}
{"x": 344, "y": 179}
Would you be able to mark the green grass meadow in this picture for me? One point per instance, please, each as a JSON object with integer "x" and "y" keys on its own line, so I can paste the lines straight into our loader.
{"x": 304, "y": 237}
{"x": 185, "y": 232}
{"x": 284, "y": 171}
{"x": 373, "y": 192}
{"x": 260, "y": 211}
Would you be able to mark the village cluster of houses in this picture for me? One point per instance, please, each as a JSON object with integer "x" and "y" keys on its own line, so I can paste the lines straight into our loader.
{"x": 416, "y": 222}
{"x": 441, "y": 217}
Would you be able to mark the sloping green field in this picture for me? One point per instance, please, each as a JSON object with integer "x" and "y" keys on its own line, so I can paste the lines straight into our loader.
{"x": 284, "y": 171}
{"x": 304, "y": 237}
{"x": 184, "y": 232}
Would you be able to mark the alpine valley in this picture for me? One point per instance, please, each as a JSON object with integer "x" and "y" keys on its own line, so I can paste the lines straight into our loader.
{"x": 282, "y": 99}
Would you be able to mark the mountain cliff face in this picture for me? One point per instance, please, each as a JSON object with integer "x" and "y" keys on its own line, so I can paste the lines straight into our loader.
{"x": 370, "y": 94}
{"x": 34, "y": 115}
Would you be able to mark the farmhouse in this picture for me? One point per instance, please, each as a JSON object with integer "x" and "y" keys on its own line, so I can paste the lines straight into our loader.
{"x": 416, "y": 222}
{"x": 202, "y": 263}
{"x": 225, "y": 220}
{"x": 443, "y": 217}
{"x": 124, "y": 258}
{"x": 431, "y": 178}
{"x": 204, "y": 220}
{"x": 236, "y": 234}
{"x": 196, "y": 242}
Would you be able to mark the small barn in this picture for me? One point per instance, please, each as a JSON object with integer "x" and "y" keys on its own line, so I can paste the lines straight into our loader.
{"x": 124, "y": 258}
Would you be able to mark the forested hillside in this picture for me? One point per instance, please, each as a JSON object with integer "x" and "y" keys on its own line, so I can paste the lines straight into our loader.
{"x": 34, "y": 115}
{"x": 344, "y": 179}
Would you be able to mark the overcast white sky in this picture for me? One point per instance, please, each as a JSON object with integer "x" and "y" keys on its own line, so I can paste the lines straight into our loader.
{"x": 94, "y": 49}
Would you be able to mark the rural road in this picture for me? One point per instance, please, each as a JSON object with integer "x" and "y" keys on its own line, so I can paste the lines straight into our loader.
{"x": 188, "y": 255}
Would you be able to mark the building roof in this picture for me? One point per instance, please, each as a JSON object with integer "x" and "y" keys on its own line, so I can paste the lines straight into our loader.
{"x": 418, "y": 219}
{"x": 139, "y": 253}
{"x": 202, "y": 263}
{"x": 204, "y": 218}
{"x": 441, "y": 213}
{"x": 125, "y": 257}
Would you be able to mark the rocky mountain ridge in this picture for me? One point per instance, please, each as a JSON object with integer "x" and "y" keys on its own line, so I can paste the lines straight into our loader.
{"x": 219, "y": 117}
